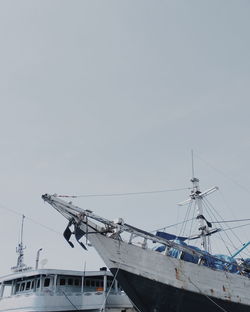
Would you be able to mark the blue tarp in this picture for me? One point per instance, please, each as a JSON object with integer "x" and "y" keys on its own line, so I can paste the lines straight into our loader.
{"x": 224, "y": 263}
{"x": 218, "y": 262}
{"x": 169, "y": 236}
{"x": 175, "y": 253}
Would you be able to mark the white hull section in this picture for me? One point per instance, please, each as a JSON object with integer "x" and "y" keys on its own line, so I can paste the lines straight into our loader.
{"x": 170, "y": 271}
{"x": 57, "y": 303}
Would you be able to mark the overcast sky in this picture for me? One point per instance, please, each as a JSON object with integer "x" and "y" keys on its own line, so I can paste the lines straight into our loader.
{"x": 111, "y": 96}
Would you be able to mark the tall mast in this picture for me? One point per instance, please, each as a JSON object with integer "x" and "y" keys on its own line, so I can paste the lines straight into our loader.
{"x": 197, "y": 196}
{"x": 20, "y": 266}
{"x": 203, "y": 228}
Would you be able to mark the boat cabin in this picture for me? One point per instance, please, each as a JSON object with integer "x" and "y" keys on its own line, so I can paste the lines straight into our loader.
{"x": 57, "y": 281}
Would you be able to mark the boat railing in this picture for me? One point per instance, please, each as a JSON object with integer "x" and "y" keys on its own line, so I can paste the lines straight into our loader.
{"x": 86, "y": 219}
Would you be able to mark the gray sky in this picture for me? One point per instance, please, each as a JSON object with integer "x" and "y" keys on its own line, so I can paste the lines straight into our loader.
{"x": 110, "y": 97}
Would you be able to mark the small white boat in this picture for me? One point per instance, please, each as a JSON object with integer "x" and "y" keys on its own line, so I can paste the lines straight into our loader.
{"x": 50, "y": 290}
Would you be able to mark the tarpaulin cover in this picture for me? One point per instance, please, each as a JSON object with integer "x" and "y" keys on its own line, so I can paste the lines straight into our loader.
{"x": 169, "y": 236}
{"x": 218, "y": 262}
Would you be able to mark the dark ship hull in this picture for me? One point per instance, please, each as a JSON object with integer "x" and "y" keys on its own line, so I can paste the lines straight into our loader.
{"x": 152, "y": 296}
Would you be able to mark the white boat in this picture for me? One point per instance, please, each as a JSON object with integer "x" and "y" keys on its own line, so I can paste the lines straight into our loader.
{"x": 50, "y": 290}
{"x": 172, "y": 277}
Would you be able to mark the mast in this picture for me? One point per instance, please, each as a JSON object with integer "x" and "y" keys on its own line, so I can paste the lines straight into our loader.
{"x": 20, "y": 249}
{"x": 197, "y": 196}
{"x": 203, "y": 228}
{"x": 20, "y": 266}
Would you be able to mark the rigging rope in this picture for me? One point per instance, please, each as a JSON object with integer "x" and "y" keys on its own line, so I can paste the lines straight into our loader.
{"x": 200, "y": 291}
{"x": 237, "y": 227}
{"x": 210, "y": 205}
{"x": 106, "y": 297}
{"x": 126, "y": 194}
{"x": 209, "y": 209}
{"x": 70, "y": 301}
{"x": 171, "y": 225}
{"x": 30, "y": 219}
{"x": 228, "y": 221}
{"x": 225, "y": 175}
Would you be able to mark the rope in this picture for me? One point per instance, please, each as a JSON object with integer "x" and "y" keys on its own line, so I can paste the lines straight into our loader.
{"x": 70, "y": 301}
{"x": 183, "y": 227}
{"x": 208, "y": 297}
{"x": 228, "y": 221}
{"x": 200, "y": 289}
{"x": 126, "y": 194}
{"x": 237, "y": 227}
{"x": 172, "y": 225}
{"x": 104, "y": 302}
{"x": 213, "y": 213}
{"x": 225, "y": 175}
{"x": 29, "y": 218}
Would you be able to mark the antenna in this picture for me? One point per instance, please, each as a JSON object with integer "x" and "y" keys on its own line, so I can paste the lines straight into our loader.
{"x": 20, "y": 249}
{"x": 20, "y": 266}
{"x": 192, "y": 156}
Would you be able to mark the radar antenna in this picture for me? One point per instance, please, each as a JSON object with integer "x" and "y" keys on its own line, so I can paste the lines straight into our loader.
{"x": 20, "y": 251}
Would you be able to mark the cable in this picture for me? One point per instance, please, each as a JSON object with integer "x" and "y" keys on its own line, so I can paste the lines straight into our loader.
{"x": 70, "y": 301}
{"x": 225, "y": 175}
{"x": 191, "y": 226}
{"x": 208, "y": 212}
{"x": 126, "y": 194}
{"x": 208, "y": 297}
{"x": 188, "y": 279}
{"x": 104, "y": 302}
{"x": 228, "y": 221}
{"x": 28, "y": 218}
{"x": 237, "y": 227}
{"x": 209, "y": 204}
{"x": 172, "y": 225}
{"x": 208, "y": 208}
{"x": 183, "y": 227}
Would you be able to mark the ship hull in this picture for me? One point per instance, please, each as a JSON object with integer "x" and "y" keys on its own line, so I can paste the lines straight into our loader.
{"x": 49, "y": 302}
{"x": 152, "y": 296}
{"x": 155, "y": 282}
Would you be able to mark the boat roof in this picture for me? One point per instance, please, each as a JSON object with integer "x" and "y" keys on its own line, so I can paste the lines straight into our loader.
{"x": 32, "y": 272}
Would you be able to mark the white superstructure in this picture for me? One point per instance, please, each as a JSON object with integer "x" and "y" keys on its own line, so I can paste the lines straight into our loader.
{"x": 52, "y": 290}
{"x": 61, "y": 290}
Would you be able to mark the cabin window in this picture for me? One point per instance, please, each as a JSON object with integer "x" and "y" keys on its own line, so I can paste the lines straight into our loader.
{"x": 70, "y": 281}
{"x": 17, "y": 287}
{"x": 22, "y": 287}
{"x": 27, "y": 285}
{"x": 93, "y": 282}
{"x": 77, "y": 282}
{"x": 38, "y": 284}
{"x": 46, "y": 282}
{"x": 62, "y": 281}
{"x": 32, "y": 284}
